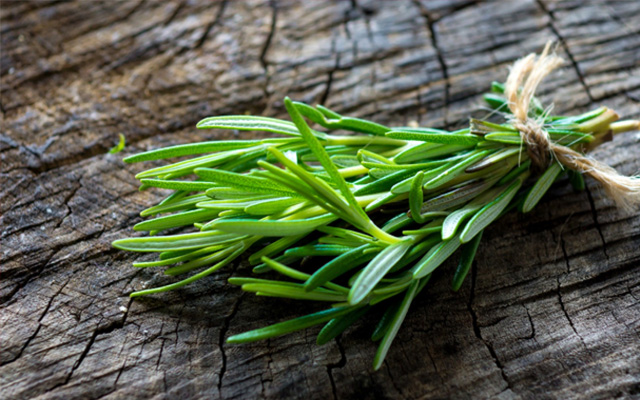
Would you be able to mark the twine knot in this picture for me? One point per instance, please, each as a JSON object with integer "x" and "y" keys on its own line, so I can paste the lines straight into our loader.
{"x": 523, "y": 80}
{"x": 537, "y": 141}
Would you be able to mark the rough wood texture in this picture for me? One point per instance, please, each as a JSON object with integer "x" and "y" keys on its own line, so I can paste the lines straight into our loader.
{"x": 552, "y": 307}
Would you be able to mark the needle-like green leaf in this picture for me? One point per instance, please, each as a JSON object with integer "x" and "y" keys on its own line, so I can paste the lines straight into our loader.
{"x": 541, "y": 186}
{"x": 489, "y": 212}
{"x": 436, "y": 256}
{"x": 244, "y": 181}
{"x": 249, "y": 123}
{"x": 293, "y": 325}
{"x": 175, "y": 220}
{"x": 337, "y": 121}
{"x": 184, "y": 203}
{"x": 416, "y": 197}
{"x": 177, "y": 257}
{"x": 294, "y": 292}
{"x": 233, "y": 251}
{"x": 394, "y": 325}
{"x": 175, "y": 242}
{"x": 178, "y": 185}
{"x": 435, "y": 136}
{"x": 271, "y": 228}
{"x": 340, "y": 265}
{"x": 187, "y": 167}
{"x": 466, "y": 259}
{"x": 270, "y": 206}
{"x": 338, "y": 325}
{"x": 377, "y": 269}
{"x": 453, "y": 171}
{"x": 121, "y": 143}
{"x": 191, "y": 149}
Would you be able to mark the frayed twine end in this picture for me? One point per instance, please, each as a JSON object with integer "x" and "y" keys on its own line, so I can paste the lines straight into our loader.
{"x": 523, "y": 80}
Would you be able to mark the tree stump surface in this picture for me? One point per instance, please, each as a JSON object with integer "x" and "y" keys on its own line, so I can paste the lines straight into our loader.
{"x": 551, "y": 308}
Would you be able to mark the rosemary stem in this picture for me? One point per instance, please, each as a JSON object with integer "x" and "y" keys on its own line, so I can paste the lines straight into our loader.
{"x": 600, "y": 122}
{"x": 350, "y": 172}
{"x": 378, "y": 233}
{"x": 624, "y": 126}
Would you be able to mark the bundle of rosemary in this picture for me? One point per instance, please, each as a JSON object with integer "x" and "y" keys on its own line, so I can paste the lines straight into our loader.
{"x": 380, "y": 209}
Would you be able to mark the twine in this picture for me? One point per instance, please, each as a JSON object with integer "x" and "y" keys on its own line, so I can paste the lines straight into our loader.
{"x": 528, "y": 72}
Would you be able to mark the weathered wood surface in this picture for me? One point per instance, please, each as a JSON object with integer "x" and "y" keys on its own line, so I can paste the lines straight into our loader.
{"x": 552, "y": 307}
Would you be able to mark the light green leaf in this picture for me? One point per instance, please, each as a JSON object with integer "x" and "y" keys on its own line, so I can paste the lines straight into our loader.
{"x": 376, "y": 270}
{"x": 541, "y": 186}
{"x": 233, "y": 251}
{"x": 271, "y": 206}
{"x": 458, "y": 168}
{"x": 416, "y": 197}
{"x": 317, "y": 250}
{"x": 185, "y": 203}
{"x": 275, "y": 247}
{"x": 332, "y": 120}
{"x": 249, "y": 123}
{"x": 340, "y": 265}
{"x": 436, "y": 256}
{"x": 436, "y": 136}
{"x": 293, "y": 325}
{"x": 186, "y": 167}
{"x": 175, "y": 220}
{"x": 118, "y": 148}
{"x": 272, "y": 228}
{"x": 466, "y": 259}
{"x": 345, "y": 161}
{"x": 394, "y": 325}
{"x": 244, "y": 181}
{"x": 198, "y": 262}
{"x": 494, "y": 158}
{"x": 504, "y": 137}
{"x": 366, "y": 156}
{"x": 338, "y": 325}
{"x": 189, "y": 186}
{"x": 456, "y": 197}
{"x": 384, "y": 184}
{"x": 191, "y": 149}
{"x": 489, "y": 212}
{"x": 452, "y": 221}
{"x": 175, "y": 242}
{"x": 289, "y": 291}
{"x": 301, "y": 276}
{"x": 176, "y": 258}
{"x": 426, "y": 151}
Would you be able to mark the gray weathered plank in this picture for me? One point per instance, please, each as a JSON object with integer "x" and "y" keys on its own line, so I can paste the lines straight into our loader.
{"x": 552, "y": 307}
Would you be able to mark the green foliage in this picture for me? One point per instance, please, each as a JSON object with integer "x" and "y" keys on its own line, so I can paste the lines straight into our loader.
{"x": 316, "y": 195}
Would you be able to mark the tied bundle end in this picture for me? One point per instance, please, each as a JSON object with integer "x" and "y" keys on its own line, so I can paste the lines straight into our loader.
{"x": 623, "y": 190}
{"x": 523, "y": 80}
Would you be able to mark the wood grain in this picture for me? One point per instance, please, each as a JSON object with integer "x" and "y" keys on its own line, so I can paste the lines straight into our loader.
{"x": 552, "y": 306}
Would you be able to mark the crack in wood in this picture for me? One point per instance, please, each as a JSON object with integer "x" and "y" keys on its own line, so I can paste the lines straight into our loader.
{"x": 340, "y": 364}
{"x": 565, "y": 46}
{"x": 430, "y": 23}
{"x": 560, "y": 299}
{"x": 223, "y": 332}
{"x": 596, "y": 223}
{"x": 211, "y": 25}
{"x": 477, "y": 330}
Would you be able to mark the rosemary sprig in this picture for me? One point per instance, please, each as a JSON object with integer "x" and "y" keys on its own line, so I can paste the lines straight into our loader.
{"x": 382, "y": 208}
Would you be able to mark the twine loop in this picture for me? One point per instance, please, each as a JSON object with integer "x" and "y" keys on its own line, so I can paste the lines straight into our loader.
{"x": 523, "y": 80}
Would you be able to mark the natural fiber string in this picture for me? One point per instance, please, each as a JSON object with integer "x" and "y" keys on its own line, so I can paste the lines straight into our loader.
{"x": 528, "y": 72}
